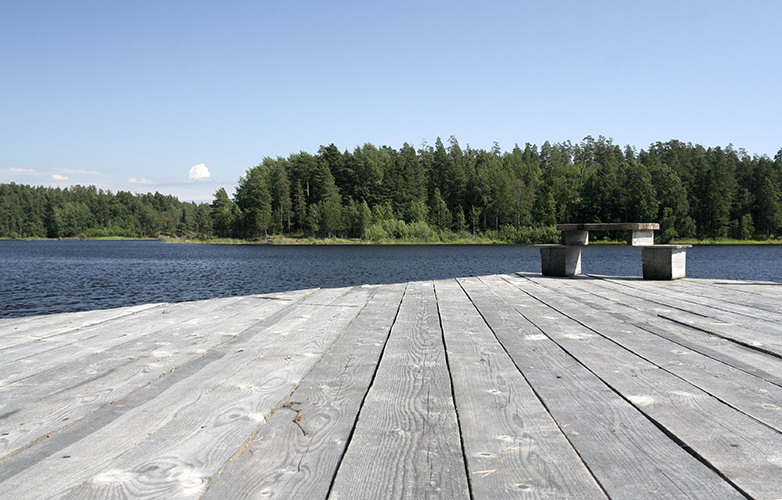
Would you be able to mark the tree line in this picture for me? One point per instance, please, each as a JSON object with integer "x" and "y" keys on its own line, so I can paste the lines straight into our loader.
{"x": 441, "y": 192}
{"x": 88, "y": 212}
{"x": 444, "y": 190}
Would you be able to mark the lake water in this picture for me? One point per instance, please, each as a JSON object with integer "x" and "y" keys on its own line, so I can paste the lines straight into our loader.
{"x": 42, "y": 277}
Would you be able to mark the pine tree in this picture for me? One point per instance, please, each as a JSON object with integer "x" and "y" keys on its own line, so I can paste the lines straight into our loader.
{"x": 640, "y": 197}
{"x": 254, "y": 200}
{"x": 299, "y": 208}
{"x": 439, "y": 213}
{"x": 222, "y": 214}
{"x": 768, "y": 207}
{"x": 326, "y": 196}
{"x": 281, "y": 197}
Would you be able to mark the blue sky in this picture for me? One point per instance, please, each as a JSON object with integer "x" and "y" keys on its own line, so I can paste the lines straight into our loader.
{"x": 132, "y": 95}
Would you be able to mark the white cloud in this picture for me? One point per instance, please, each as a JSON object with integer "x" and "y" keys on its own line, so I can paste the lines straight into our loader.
{"x": 78, "y": 171}
{"x": 199, "y": 172}
{"x": 58, "y": 177}
{"x": 133, "y": 180}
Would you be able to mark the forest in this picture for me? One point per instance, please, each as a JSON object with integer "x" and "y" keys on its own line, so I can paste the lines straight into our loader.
{"x": 87, "y": 212}
{"x": 438, "y": 193}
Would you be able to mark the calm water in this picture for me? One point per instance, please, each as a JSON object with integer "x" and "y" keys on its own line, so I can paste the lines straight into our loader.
{"x": 41, "y": 277}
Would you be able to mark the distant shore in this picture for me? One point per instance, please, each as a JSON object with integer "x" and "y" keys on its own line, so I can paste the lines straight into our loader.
{"x": 462, "y": 241}
{"x": 481, "y": 240}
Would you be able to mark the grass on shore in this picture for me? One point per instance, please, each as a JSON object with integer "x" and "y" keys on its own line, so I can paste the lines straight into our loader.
{"x": 727, "y": 241}
{"x": 280, "y": 240}
{"x": 479, "y": 240}
{"x": 694, "y": 241}
{"x": 459, "y": 240}
{"x": 76, "y": 238}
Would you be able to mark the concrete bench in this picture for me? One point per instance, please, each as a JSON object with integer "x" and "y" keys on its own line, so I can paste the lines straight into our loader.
{"x": 660, "y": 262}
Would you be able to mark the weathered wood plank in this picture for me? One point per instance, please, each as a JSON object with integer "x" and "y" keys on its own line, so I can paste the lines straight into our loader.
{"x": 745, "y": 451}
{"x": 506, "y": 386}
{"x": 761, "y": 294}
{"x": 512, "y": 444}
{"x": 51, "y": 349}
{"x": 406, "y": 442}
{"x": 707, "y": 319}
{"x": 25, "y": 360}
{"x": 747, "y": 393}
{"x": 295, "y": 455}
{"x": 626, "y": 309}
{"x": 48, "y": 327}
{"x": 34, "y": 328}
{"x": 627, "y": 454}
{"x": 730, "y": 296}
{"x": 46, "y": 403}
{"x": 171, "y": 445}
{"x": 712, "y": 307}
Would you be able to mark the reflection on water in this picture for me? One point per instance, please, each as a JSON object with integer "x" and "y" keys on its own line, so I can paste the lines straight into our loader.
{"x": 39, "y": 277}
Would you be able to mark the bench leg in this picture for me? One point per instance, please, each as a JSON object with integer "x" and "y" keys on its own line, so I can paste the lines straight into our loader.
{"x": 641, "y": 238}
{"x": 560, "y": 261}
{"x": 664, "y": 263}
{"x": 575, "y": 237}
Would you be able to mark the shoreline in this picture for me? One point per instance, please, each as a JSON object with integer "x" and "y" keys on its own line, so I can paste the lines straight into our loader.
{"x": 287, "y": 241}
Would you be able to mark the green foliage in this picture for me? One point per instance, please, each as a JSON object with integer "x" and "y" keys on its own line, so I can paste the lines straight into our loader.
{"x": 745, "y": 227}
{"x": 224, "y": 214}
{"x": 73, "y": 219}
{"x": 357, "y": 217}
{"x": 328, "y": 201}
{"x": 390, "y": 230}
{"x": 526, "y": 235}
{"x": 640, "y": 196}
{"x": 437, "y": 193}
{"x": 439, "y": 216}
{"x": 421, "y": 231}
{"x": 767, "y": 206}
{"x": 78, "y": 211}
{"x": 255, "y": 203}
{"x": 407, "y": 184}
{"x": 417, "y": 211}
{"x": 281, "y": 204}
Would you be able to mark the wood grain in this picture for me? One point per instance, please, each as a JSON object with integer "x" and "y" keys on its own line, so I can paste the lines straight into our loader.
{"x": 629, "y": 310}
{"x": 719, "y": 310}
{"x": 743, "y": 391}
{"x": 475, "y": 388}
{"x": 725, "y": 298}
{"x": 49, "y": 401}
{"x": 513, "y": 446}
{"x": 744, "y": 450}
{"x": 296, "y": 453}
{"x": 171, "y": 445}
{"x": 764, "y": 296}
{"x": 54, "y": 351}
{"x": 406, "y": 442}
{"x": 627, "y": 454}
{"x": 23, "y": 330}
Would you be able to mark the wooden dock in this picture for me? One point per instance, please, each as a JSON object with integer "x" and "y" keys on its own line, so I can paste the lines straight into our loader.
{"x": 481, "y": 387}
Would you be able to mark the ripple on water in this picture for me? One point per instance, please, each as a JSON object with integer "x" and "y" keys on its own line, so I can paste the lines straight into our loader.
{"x": 40, "y": 277}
